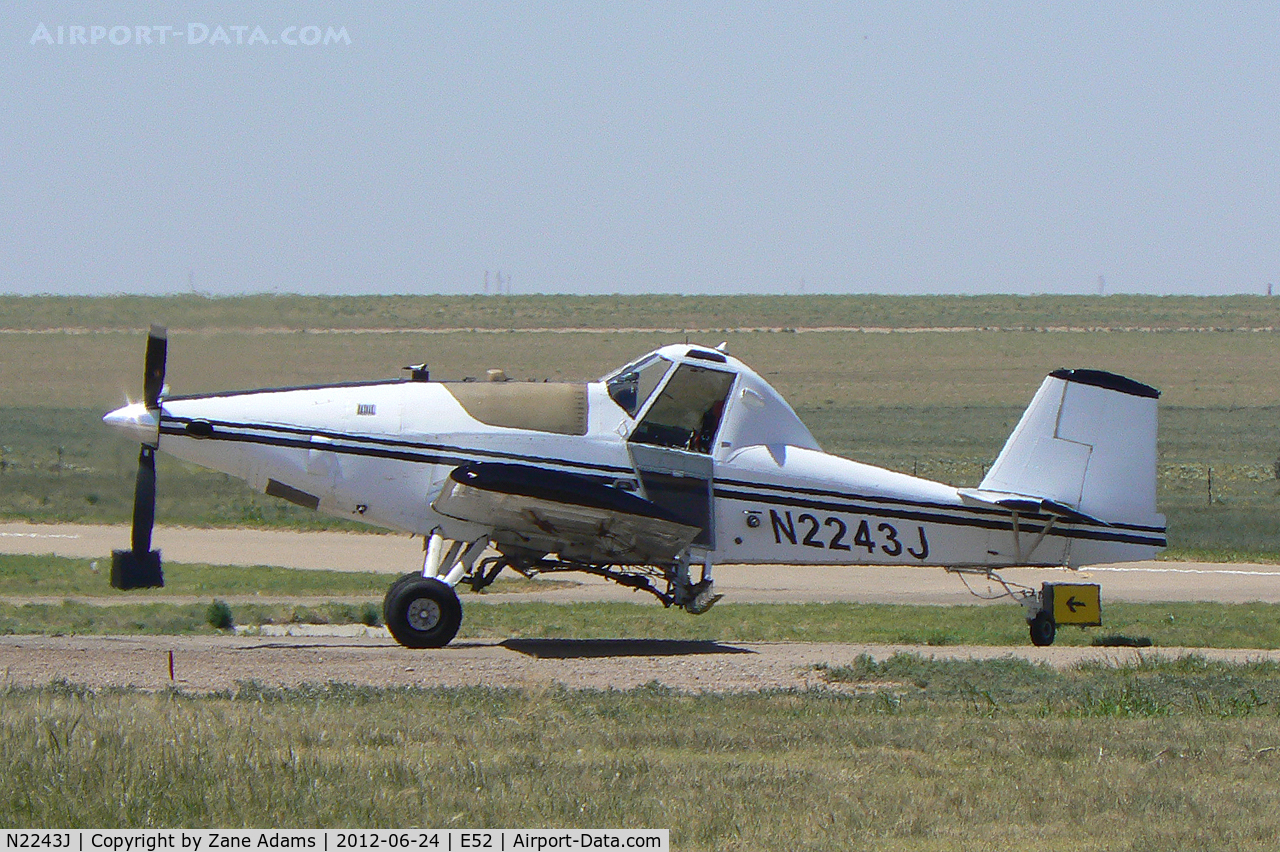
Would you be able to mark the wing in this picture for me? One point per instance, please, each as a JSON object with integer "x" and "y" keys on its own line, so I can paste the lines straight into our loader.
{"x": 555, "y": 512}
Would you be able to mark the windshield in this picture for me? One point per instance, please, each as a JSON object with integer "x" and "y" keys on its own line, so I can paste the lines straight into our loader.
{"x": 632, "y": 386}
{"x": 686, "y": 415}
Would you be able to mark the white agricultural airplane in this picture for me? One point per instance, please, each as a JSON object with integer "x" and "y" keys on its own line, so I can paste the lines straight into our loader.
{"x": 678, "y": 461}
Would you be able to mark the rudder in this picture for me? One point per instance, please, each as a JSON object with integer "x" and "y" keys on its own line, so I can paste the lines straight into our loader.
{"x": 1087, "y": 441}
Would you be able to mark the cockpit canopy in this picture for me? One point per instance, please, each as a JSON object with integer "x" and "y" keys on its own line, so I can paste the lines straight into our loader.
{"x": 704, "y": 401}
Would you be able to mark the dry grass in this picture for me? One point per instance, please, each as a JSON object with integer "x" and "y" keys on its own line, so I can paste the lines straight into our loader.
{"x": 663, "y": 311}
{"x": 938, "y": 404}
{"x": 82, "y": 604}
{"x": 651, "y": 311}
{"x": 893, "y": 766}
{"x": 100, "y": 370}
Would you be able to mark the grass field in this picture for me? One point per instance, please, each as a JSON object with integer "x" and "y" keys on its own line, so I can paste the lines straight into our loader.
{"x": 651, "y": 311}
{"x": 44, "y": 576}
{"x": 903, "y": 754}
{"x": 93, "y": 480}
{"x": 90, "y": 606}
{"x": 910, "y": 755}
{"x": 830, "y": 369}
{"x": 939, "y": 404}
{"x": 1254, "y": 626}
{"x": 936, "y": 404}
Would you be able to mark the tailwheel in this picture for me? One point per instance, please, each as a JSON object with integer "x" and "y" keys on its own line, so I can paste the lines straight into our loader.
{"x": 422, "y": 612}
{"x": 1043, "y": 629}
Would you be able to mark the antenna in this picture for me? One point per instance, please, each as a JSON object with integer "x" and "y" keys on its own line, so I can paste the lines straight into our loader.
{"x": 1102, "y": 286}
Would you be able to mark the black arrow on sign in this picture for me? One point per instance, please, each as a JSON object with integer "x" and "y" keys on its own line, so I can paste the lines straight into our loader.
{"x": 1073, "y": 604}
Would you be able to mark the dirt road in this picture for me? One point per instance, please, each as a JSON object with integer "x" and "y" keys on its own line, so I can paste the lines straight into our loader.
{"x": 212, "y": 663}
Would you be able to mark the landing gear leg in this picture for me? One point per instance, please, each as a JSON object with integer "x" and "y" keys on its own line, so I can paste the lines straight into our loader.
{"x": 485, "y": 573}
{"x": 695, "y": 598}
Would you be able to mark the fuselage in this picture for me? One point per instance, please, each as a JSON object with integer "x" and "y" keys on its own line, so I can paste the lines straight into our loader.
{"x": 689, "y": 429}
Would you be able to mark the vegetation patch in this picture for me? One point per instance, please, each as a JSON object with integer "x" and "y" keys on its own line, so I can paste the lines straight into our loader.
{"x": 44, "y": 576}
{"x": 998, "y": 755}
{"x": 1188, "y": 685}
{"x": 559, "y": 311}
{"x": 1196, "y": 625}
{"x": 218, "y": 616}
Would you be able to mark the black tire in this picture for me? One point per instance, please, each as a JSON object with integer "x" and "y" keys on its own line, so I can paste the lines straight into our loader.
{"x": 422, "y": 612}
{"x": 1043, "y": 629}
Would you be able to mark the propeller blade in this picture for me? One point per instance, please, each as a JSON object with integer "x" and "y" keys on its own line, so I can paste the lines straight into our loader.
{"x": 139, "y": 567}
{"x": 153, "y": 366}
{"x": 144, "y": 500}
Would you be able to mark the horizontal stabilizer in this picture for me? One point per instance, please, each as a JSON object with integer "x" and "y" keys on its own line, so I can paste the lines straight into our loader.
{"x": 1025, "y": 505}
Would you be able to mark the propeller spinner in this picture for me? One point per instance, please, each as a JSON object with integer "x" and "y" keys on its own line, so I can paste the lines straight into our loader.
{"x": 139, "y": 567}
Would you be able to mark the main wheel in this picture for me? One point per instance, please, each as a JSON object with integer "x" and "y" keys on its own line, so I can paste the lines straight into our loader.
{"x": 422, "y": 612}
{"x": 1043, "y": 629}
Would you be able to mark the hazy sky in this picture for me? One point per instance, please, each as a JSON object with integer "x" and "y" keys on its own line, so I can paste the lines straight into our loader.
{"x": 641, "y": 147}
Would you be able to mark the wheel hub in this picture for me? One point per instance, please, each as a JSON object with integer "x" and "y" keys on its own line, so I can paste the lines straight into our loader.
{"x": 423, "y": 614}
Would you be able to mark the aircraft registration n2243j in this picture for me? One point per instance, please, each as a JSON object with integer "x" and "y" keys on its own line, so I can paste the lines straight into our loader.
{"x": 681, "y": 460}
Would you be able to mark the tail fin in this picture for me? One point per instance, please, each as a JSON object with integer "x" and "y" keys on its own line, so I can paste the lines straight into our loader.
{"x": 1087, "y": 442}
